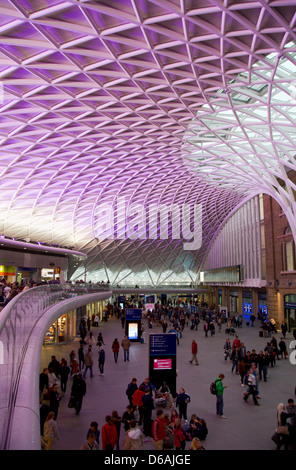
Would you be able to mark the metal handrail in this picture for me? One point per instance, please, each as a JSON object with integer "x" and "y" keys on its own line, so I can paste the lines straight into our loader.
{"x": 17, "y": 321}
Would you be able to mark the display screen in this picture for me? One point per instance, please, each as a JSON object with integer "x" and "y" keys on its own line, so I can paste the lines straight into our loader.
{"x": 162, "y": 364}
{"x": 133, "y": 331}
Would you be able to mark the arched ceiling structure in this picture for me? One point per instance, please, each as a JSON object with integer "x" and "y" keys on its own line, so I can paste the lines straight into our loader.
{"x": 180, "y": 102}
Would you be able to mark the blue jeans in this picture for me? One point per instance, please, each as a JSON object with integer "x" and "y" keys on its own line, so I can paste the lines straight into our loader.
{"x": 219, "y": 405}
{"x": 126, "y": 355}
{"x": 91, "y": 371}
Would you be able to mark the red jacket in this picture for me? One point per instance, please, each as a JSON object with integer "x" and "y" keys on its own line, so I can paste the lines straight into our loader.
{"x": 179, "y": 437}
{"x": 137, "y": 397}
{"x": 158, "y": 429}
{"x": 109, "y": 435}
{"x": 194, "y": 348}
{"x": 115, "y": 347}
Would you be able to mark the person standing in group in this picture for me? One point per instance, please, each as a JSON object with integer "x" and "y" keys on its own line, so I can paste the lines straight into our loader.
{"x": 78, "y": 391}
{"x": 131, "y": 388}
{"x": 109, "y": 434}
{"x": 51, "y": 431}
{"x": 137, "y": 401}
{"x": 126, "y": 344}
{"x": 88, "y": 360}
{"x": 101, "y": 360}
{"x": 133, "y": 439}
{"x": 116, "y": 420}
{"x": 54, "y": 398}
{"x": 220, "y": 391}
{"x": 115, "y": 349}
{"x": 180, "y": 440}
{"x": 158, "y": 430}
{"x": 182, "y": 401}
{"x": 148, "y": 406}
{"x": 194, "y": 350}
{"x": 90, "y": 443}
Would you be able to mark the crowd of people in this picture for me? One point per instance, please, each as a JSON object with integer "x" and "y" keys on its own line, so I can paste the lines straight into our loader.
{"x": 170, "y": 428}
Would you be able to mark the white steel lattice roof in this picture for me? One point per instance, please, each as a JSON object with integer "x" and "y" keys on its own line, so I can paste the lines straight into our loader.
{"x": 154, "y": 101}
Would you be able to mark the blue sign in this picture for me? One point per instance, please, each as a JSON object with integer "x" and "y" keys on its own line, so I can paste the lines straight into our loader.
{"x": 248, "y": 308}
{"x": 150, "y": 299}
{"x": 133, "y": 314}
{"x": 163, "y": 344}
{"x": 290, "y": 305}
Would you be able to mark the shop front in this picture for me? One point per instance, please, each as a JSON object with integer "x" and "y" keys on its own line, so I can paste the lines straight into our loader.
{"x": 290, "y": 311}
{"x": 247, "y": 304}
{"x": 62, "y": 330}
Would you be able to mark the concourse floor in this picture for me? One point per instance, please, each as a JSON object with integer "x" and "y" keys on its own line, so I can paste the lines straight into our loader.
{"x": 247, "y": 427}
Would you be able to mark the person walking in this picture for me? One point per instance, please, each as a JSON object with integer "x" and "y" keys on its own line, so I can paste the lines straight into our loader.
{"x": 227, "y": 349}
{"x": 235, "y": 358}
{"x": 51, "y": 431}
{"x": 126, "y": 344}
{"x": 78, "y": 391}
{"x": 252, "y": 388}
{"x": 88, "y": 360}
{"x": 220, "y": 391}
{"x": 182, "y": 401}
{"x": 194, "y": 349}
{"x": 101, "y": 361}
{"x": 64, "y": 373}
{"x": 115, "y": 349}
{"x": 284, "y": 329}
{"x": 81, "y": 357}
{"x": 242, "y": 371}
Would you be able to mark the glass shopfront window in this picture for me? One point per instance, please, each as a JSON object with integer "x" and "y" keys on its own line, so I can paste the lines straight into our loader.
{"x": 290, "y": 311}
{"x": 61, "y": 330}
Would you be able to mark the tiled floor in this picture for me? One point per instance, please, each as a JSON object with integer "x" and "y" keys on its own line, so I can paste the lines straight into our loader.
{"x": 246, "y": 426}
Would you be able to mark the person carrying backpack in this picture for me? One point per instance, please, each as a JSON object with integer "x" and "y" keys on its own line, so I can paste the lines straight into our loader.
{"x": 219, "y": 394}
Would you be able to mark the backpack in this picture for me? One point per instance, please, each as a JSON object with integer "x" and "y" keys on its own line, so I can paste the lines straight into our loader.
{"x": 213, "y": 388}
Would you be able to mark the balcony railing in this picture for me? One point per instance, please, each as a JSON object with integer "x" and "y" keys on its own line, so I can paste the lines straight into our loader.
{"x": 17, "y": 321}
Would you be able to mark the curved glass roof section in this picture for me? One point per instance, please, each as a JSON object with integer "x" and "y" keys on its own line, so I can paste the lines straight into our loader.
{"x": 173, "y": 103}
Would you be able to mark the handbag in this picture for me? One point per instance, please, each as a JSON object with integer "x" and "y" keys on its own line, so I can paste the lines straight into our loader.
{"x": 284, "y": 430}
{"x": 72, "y": 402}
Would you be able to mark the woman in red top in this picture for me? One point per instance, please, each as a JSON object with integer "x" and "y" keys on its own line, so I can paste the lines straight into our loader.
{"x": 180, "y": 441}
{"x": 137, "y": 400}
{"x": 115, "y": 349}
{"x": 109, "y": 434}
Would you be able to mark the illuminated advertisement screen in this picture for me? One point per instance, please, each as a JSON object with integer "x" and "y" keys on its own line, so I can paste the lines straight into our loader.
{"x": 133, "y": 331}
{"x": 162, "y": 364}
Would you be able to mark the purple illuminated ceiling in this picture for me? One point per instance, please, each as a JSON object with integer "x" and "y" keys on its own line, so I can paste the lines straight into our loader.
{"x": 97, "y": 100}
